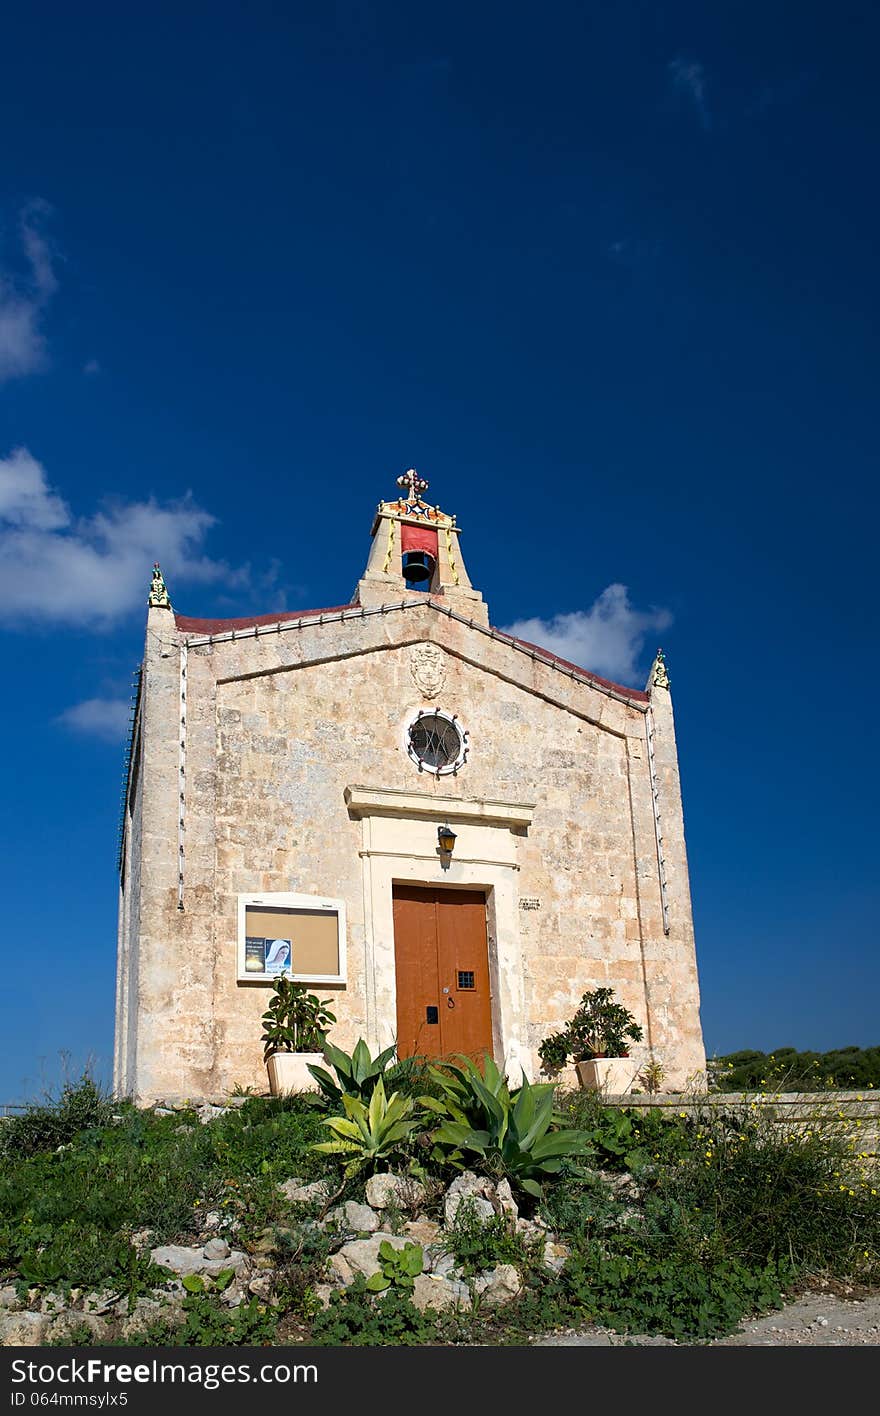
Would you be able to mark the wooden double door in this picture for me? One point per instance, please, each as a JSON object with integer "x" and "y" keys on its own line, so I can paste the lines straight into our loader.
{"x": 442, "y": 961}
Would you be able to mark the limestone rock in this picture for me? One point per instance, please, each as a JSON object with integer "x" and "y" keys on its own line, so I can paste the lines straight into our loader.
{"x": 23, "y": 1329}
{"x": 362, "y": 1255}
{"x": 52, "y": 1303}
{"x": 555, "y": 1256}
{"x": 9, "y": 1299}
{"x": 100, "y": 1302}
{"x": 475, "y": 1188}
{"x": 438, "y": 1261}
{"x": 504, "y": 1199}
{"x": 390, "y": 1189}
{"x": 213, "y": 1219}
{"x": 178, "y": 1258}
{"x": 262, "y": 1262}
{"x": 318, "y": 1192}
{"x": 339, "y": 1271}
{"x": 431, "y": 1291}
{"x": 182, "y": 1260}
{"x": 498, "y": 1285}
{"x": 265, "y": 1243}
{"x": 149, "y": 1311}
{"x": 263, "y": 1287}
{"x": 142, "y": 1239}
{"x": 322, "y": 1293}
{"x": 421, "y": 1231}
{"x": 359, "y": 1218}
{"x": 208, "y": 1113}
{"x": 62, "y": 1328}
{"x": 216, "y": 1249}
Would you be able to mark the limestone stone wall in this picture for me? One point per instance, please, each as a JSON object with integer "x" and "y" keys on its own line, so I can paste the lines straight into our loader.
{"x": 279, "y": 724}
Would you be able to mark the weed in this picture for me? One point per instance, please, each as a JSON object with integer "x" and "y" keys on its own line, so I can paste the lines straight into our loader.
{"x": 478, "y": 1244}
{"x": 353, "y": 1319}
{"x": 631, "y": 1286}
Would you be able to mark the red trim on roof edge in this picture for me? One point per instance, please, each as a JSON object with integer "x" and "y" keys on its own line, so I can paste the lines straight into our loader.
{"x": 637, "y": 694}
{"x": 189, "y": 625}
{"x": 206, "y": 626}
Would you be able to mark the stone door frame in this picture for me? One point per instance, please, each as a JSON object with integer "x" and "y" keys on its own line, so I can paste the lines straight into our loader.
{"x": 399, "y": 844}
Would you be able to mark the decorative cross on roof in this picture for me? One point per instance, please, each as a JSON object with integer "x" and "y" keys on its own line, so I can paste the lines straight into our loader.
{"x": 414, "y": 483}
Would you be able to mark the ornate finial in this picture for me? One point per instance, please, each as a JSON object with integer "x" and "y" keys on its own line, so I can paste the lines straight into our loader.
{"x": 414, "y": 483}
{"x": 659, "y": 676}
{"x": 158, "y": 592}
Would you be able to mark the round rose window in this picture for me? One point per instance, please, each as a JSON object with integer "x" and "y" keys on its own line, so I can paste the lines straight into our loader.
{"x": 436, "y": 742}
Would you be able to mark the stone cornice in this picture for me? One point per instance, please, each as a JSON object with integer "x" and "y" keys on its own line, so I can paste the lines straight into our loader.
{"x": 392, "y": 801}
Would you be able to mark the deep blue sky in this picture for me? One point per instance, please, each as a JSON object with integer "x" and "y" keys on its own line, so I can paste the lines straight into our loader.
{"x": 606, "y": 275}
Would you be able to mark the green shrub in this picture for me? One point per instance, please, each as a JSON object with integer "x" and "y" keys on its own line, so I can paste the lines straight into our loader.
{"x": 630, "y": 1285}
{"x": 599, "y": 1027}
{"x": 784, "y": 1069}
{"x": 65, "y": 1216}
{"x": 81, "y": 1106}
{"x": 776, "y": 1193}
{"x": 207, "y": 1324}
{"x": 623, "y": 1138}
{"x": 517, "y": 1134}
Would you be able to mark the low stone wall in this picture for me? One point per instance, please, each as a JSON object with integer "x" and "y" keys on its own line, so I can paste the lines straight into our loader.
{"x": 857, "y": 1114}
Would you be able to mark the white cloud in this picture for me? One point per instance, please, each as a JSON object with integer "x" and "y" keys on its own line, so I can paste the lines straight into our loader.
{"x": 24, "y": 297}
{"x": 25, "y": 499}
{"x": 91, "y": 571}
{"x": 689, "y": 78}
{"x": 106, "y": 718}
{"x": 606, "y": 639}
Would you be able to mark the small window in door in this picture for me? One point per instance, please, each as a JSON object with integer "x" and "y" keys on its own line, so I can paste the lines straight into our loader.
{"x": 466, "y": 979}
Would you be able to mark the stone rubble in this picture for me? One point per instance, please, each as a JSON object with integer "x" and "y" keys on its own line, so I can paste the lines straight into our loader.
{"x": 360, "y": 1231}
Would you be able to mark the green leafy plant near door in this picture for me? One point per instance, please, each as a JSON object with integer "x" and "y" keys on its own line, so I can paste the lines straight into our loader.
{"x": 295, "y": 1020}
{"x": 598, "y": 1028}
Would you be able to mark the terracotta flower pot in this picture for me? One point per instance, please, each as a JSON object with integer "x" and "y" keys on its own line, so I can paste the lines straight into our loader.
{"x": 612, "y": 1075}
{"x": 289, "y": 1072}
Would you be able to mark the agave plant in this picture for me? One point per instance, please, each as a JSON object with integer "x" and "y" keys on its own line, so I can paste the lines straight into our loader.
{"x": 519, "y": 1133}
{"x": 370, "y": 1131}
{"x": 356, "y": 1075}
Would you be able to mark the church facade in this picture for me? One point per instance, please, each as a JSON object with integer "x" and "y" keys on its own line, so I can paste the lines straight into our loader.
{"x": 447, "y": 831}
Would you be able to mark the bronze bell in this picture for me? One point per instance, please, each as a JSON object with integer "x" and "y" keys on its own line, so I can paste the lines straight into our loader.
{"x": 418, "y": 567}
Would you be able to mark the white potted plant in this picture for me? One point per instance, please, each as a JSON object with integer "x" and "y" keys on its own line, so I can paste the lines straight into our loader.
{"x": 596, "y": 1039}
{"x": 294, "y": 1031}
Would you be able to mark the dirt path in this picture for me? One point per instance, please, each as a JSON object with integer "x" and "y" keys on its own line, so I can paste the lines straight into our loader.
{"x": 816, "y": 1319}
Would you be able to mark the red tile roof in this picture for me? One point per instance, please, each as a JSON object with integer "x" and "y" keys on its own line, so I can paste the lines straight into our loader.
{"x": 223, "y": 626}
{"x": 211, "y": 626}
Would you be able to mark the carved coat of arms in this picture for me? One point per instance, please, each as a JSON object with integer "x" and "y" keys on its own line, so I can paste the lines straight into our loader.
{"x": 427, "y": 664}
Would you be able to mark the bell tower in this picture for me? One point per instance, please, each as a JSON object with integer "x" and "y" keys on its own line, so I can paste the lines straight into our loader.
{"x": 415, "y": 553}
